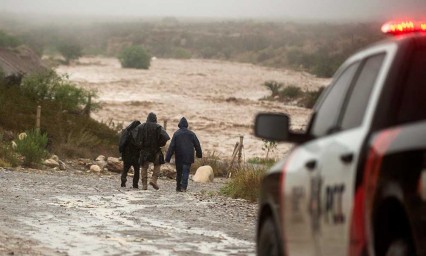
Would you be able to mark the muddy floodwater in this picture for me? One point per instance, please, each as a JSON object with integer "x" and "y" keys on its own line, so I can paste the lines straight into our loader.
{"x": 219, "y": 99}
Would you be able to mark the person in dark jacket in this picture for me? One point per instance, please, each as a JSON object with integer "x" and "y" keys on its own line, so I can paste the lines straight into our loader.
{"x": 150, "y": 137}
{"x": 182, "y": 146}
{"x": 129, "y": 155}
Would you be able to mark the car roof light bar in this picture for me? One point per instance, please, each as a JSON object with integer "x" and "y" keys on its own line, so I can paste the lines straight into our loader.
{"x": 403, "y": 27}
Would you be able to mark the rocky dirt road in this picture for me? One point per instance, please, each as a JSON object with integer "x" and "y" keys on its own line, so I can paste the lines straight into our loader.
{"x": 73, "y": 212}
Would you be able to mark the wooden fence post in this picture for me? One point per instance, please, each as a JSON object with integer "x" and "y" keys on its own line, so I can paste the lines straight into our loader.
{"x": 237, "y": 151}
{"x": 240, "y": 150}
{"x": 165, "y": 125}
{"x": 38, "y": 118}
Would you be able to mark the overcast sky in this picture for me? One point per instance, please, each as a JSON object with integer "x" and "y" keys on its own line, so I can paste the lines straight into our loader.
{"x": 286, "y": 9}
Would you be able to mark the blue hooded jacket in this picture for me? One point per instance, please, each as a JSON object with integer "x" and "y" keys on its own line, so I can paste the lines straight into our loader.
{"x": 183, "y": 144}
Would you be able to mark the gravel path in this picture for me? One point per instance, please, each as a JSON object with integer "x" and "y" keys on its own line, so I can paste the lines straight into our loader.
{"x": 50, "y": 212}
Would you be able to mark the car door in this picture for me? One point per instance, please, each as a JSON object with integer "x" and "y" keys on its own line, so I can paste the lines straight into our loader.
{"x": 302, "y": 177}
{"x": 338, "y": 158}
{"x": 320, "y": 175}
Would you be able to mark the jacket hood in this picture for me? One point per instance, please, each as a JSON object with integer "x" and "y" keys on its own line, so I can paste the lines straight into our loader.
{"x": 183, "y": 123}
{"x": 152, "y": 118}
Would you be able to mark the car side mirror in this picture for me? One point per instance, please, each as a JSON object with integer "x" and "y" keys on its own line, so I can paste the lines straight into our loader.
{"x": 272, "y": 126}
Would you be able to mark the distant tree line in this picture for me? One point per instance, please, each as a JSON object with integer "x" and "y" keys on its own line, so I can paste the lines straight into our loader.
{"x": 316, "y": 48}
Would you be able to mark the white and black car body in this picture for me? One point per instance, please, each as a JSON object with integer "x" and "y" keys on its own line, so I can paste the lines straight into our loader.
{"x": 355, "y": 182}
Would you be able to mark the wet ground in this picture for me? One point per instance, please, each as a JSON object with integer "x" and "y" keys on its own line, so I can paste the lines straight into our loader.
{"x": 50, "y": 212}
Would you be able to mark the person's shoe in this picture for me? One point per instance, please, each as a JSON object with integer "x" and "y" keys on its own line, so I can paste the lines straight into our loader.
{"x": 183, "y": 190}
{"x": 123, "y": 184}
{"x": 135, "y": 186}
{"x": 178, "y": 190}
{"x": 154, "y": 185}
{"x": 144, "y": 187}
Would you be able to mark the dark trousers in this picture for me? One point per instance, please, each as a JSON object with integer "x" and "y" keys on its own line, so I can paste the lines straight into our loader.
{"x": 126, "y": 167}
{"x": 179, "y": 168}
{"x": 182, "y": 175}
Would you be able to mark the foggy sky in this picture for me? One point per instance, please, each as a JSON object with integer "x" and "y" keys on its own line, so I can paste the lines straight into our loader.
{"x": 282, "y": 9}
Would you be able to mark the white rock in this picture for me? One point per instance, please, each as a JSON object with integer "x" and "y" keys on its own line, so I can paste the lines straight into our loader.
{"x": 101, "y": 161}
{"x": 55, "y": 157}
{"x": 22, "y": 136}
{"x": 100, "y": 158}
{"x": 51, "y": 163}
{"x": 204, "y": 174}
{"x": 95, "y": 168}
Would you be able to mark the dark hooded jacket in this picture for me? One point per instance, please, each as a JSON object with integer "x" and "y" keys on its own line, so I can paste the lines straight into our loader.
{"x": 129, "y": 152}
{"x": 183, "y": 144}
{"x": 149, "y": 137}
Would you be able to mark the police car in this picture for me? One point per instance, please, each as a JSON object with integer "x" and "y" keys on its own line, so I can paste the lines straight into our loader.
{"x": 355, "y": 182}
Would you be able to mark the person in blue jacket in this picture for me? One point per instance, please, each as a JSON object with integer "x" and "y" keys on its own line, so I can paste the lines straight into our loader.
{"x": 182, "y": 146}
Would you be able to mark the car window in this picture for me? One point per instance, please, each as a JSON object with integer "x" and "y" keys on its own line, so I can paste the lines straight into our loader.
{"x": 358, "y": 100}
{"x": 328, "y": 112}
{"x": 413, "y": 103}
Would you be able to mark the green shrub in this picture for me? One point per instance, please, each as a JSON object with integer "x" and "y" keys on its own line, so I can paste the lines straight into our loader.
{"x": 290, "y": 93}
{"x": 269, "y": 146}
{"x": 51, "y": 86}
{"x": 32, "y": 147}
{"x": 8, "y": 156}
{"x": 274, "y": 87}
{"x": 245, "y": 183}
{"x": 310, "y": 98}
{"x": 305, "y": 99}
{"x": 70, "y": 96}
{"x": 70, "y": 51}
{"x": 135, "y": 57}
{"x": 268, "y": 162}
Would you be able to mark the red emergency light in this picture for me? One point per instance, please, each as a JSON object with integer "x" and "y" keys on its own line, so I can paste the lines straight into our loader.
{"x": 403, "y": 27}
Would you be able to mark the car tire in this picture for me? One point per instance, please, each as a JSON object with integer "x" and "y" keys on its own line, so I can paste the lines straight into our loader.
{"x": 399, "y": 247}
{"x": 268, "y": 242}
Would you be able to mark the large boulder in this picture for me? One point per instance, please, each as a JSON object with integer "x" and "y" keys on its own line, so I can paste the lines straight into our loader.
{"x": 168, "y": 170}
{"x": 204, "y": 174}
{"x": 114, "y": 165}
